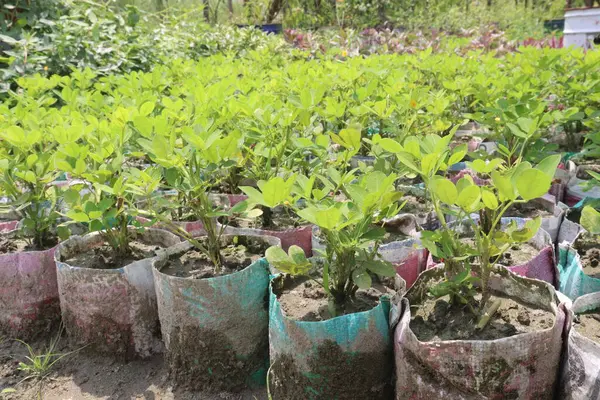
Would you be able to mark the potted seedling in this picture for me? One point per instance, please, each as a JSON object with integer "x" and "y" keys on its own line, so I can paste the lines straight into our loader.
{"x": 579, "y": 263}
{"x": 105, "y": 277}
{"x": 211, "y": 288}
{"x": 466, "y": 302}
{"x": 338, "y": 298}
{"x": 583, "y": 343}
{"x": 29, "y": 298}
{"x": 273, "y": 148}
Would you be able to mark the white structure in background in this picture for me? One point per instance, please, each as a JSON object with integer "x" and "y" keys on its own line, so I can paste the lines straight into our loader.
{"x": 582, "y": 25}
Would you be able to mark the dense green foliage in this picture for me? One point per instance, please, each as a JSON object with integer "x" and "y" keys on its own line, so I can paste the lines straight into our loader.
{"x": 283, "y": 130}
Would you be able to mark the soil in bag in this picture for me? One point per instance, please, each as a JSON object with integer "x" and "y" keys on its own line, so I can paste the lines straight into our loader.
{"x": 14, "y": 245}
{"x": 588, "y": 248}
{"x": 196, "y": 265}
{"x": 437, "y": 319}
{"x": 104, "y": 257}
{"x": 202, "y": 356}
{"x": 392, "y": 233}
{"x": 335, "y": 373}
{"x": 585, "y": 166}
{"x": 517, "y": 254}
{"x": 279, "y": 220}
{"x": 417, "y": 206}
{"x": 304, "y": 299}
{"x": 528, "y": 210}
{"x": 588, "y": 325}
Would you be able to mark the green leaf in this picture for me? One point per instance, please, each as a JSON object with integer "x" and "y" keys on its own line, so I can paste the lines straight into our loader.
{"x": 549, "y": 164}
{"x": 390, "y": 145}
{"x": 361, "y": 278}
{"x": 382, "y": 268}
{"x": 444, "y": 189}
{"x": 407, "y": 160}
{"x": 590, "y": 220}
{"x": 78, "y": 216}
{"x": 489, "y": 199}
{"x": 458, "y": 154}
{"x": 528, "y": 232}
{"x": 147, "y": 108}
{"x": 327, "y": 218}
{"x": 533, "y": 183}
{"x": 295, "y": 263}
{"x": 297, "y": 255}
{"x": 374, "y": 234}
{"x": 469, "y": 198}
{"x": 504, "y": 186}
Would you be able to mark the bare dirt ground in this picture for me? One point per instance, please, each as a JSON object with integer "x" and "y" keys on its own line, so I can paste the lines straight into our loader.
{"x": 84, "y": 375}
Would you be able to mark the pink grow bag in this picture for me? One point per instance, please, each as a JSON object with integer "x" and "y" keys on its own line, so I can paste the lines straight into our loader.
{"x": 29, "y": 302}
{"x": 524, "y": 366}
{"x": 301, "y": 236}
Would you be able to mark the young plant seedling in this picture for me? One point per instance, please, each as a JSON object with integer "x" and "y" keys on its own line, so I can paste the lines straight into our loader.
{"x": 349, "y": 228}
{"x": 501, "y": 187}
{"x": 27, "y": 176}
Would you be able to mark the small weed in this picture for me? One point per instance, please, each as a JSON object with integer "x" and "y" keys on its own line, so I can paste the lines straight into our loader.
{"x": 39, "y": 364}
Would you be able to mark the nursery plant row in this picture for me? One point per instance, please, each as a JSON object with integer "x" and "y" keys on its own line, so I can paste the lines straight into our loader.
{"x": 410, "y": 226}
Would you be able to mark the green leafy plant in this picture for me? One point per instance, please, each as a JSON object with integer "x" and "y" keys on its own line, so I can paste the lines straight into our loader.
{"x": 352, "y": 229}
{"x": 105, "y": 191}
{"x": 27, "y": 176}
{"x": 193, "y": 170}
{"x": 501, "y": 186}
{"x": 38, "y": 364}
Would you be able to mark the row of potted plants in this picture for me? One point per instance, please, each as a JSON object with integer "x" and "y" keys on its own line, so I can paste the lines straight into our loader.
{"x": 235, "y": 177}
{"x": 108, "y": 289}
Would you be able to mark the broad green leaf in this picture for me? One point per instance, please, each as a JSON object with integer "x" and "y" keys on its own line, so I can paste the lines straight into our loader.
{"x": 469, "y": 198}
{"x": 489, "y": 199}
{"x": 590, "y": 220}
{"x": 504, "y": 186}
{"x": 390, "y": 145}
{"x": 78, "y": 216}
{"x": 382, "y": 268}
{"x": 458, "y": 154}
{"x": 412, "y": 146}
{"x": 549, "y": 164}
{"x": 147, "y": 108}
{"x": 327, "y": 218}
{"x": 528, "y": 232}
{"x": 361, "y": 278}
{"x": 533, "y": 183}
{"x": 444, "y": 189}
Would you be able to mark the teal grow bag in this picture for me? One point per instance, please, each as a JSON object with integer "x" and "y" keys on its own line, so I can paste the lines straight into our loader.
{"x": 347, "y": 357}
{"x": 216, "y": 329}
{"x": 573, "y": 282}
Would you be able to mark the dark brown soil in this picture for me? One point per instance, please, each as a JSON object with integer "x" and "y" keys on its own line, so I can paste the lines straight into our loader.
{"x": 438, "y": 320}
{"x": 528, "y": 210}
{"x": 334, "y": 374}
{"x": 588, "y": 325}
{"x": 590, "y": 165}
{"x": 304, "y": 299}
{"x": 205, "y": 359}
{"x": 103, "y": 257}
{"x": 13, "y": 245}
{"x": 416, "y": 205}
{"x": 196, "y": 265}
{"x": 85, "y": 375}
{"x": 588, "y": 248}
{"x": 392, "y": 234}
{"x": 279, "y": 221}
{"x": 517, "y": 254}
